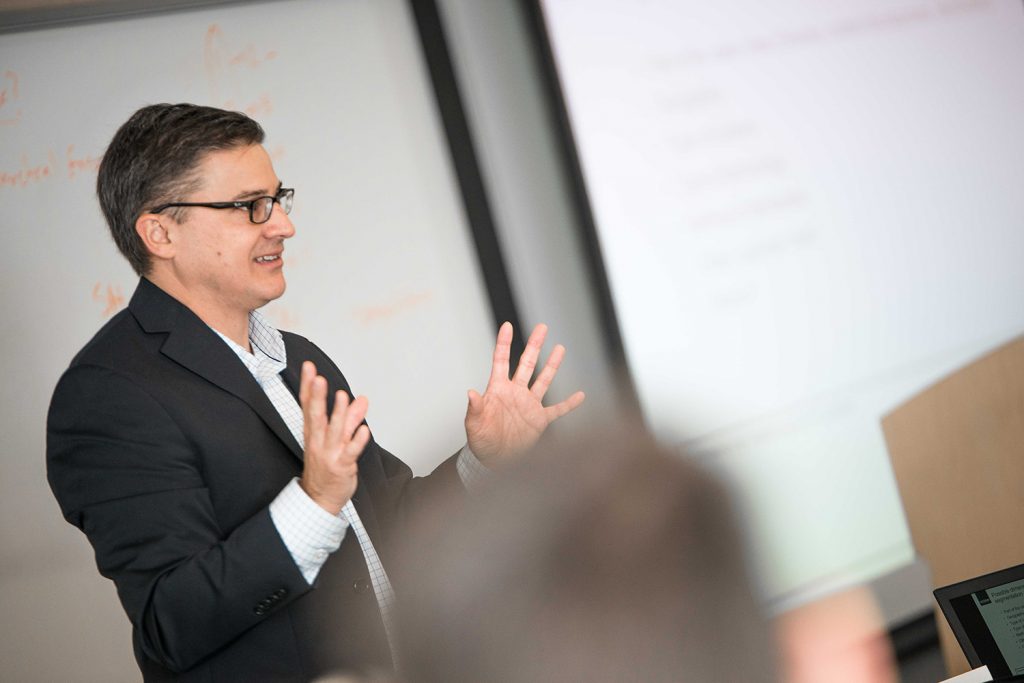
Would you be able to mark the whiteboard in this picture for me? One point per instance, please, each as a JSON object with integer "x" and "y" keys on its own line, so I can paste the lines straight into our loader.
{"x": 382, "y": 273}
{"x": 808, "y": 212}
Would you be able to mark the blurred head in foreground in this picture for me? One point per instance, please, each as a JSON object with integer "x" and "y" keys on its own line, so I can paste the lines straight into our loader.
{"x": 841, "y": 639}
{"x": 607, "y": 559}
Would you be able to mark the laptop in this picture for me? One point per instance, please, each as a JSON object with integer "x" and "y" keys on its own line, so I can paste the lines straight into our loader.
{"x": 986, "y": 614}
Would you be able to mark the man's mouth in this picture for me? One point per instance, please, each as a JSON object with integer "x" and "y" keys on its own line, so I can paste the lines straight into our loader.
{"x": 269, "y": 258}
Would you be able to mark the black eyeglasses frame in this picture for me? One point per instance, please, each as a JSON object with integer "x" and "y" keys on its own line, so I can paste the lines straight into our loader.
{"x": 285, "y": 193}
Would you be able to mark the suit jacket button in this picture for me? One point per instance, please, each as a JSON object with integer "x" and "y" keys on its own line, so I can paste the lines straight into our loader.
{"x": 360, "y": 586}
{"x": 260, "y": 610}
{"x": 280, "y": 593}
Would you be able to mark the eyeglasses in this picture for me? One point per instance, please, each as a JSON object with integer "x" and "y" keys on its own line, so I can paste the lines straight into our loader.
{"x": 260, "y": 208}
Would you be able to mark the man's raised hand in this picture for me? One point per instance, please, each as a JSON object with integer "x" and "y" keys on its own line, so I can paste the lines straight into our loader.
{"x": 333, "y": 445}
{"x": 510, "y": 416}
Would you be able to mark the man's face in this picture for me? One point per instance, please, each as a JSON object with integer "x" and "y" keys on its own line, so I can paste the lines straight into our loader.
{"x": 227, "y": 264}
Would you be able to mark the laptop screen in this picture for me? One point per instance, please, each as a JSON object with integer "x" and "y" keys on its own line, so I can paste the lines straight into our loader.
{"x": 987, "y": 616}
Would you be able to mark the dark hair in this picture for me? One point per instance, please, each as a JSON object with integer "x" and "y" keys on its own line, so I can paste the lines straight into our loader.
{"x": 153, "y": 159}
{"x": 599, "y": 559}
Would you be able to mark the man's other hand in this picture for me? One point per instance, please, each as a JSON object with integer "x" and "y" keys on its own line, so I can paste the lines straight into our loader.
{"x": 510, "y": 416}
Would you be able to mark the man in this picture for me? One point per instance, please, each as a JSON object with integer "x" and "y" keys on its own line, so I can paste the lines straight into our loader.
{"x": 222, "y": 470}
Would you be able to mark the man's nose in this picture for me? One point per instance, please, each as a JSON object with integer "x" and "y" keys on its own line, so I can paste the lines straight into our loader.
{"x": 279, "y": 224}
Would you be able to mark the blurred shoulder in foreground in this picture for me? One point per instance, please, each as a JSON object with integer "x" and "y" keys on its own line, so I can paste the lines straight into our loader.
{"x": 607, "y": 558}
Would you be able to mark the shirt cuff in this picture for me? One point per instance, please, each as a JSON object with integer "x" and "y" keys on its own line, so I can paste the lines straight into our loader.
{"x": 309, "y": 532}
{"x": 472, "y": 472}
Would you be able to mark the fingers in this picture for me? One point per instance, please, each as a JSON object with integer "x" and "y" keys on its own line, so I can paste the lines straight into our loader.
{"x": 528, "y": 361}
{"x": 543, "y": 381}
{"x": 336, "y": 432}
{"x": 502, "y": 351}
{"x": 332, "y": 444}
{"x": 305, "y": 379}
{"x": 339, "y": 433}
{"x": 313, "y": 400}
{"x": 353, "y": 423}
{"x": 567, "y": 406}
{"x": 475, "y": 401}
{"x": 346, "y": 418}
{"x": 359, "y": 441}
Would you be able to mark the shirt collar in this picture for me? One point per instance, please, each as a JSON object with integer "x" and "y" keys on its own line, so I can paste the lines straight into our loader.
{"x": 268, "y": 357}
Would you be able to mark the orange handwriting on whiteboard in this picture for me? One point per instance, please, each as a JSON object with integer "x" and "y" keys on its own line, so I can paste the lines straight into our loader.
{"x": 8, "y": 95}
{"x": 29, "y": 173}
{"x": 112, "y": 298}
{"x": 372, "y": 314}
{"x": 79, "y": 164}
{"x": 251, "y": 57}
{"x": 213, "y": 58}
{"x": 260, "y": 107}
{"x": 221, "y": 62}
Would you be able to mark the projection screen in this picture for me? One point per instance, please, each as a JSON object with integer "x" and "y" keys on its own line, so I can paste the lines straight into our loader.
{"x": 808, "y": 212}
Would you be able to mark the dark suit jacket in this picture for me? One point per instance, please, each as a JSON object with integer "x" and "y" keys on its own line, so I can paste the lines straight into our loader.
{"x": 165, "y": 451}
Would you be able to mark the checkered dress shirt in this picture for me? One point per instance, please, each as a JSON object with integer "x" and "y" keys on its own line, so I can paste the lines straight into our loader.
{"x": 309, "y": 532}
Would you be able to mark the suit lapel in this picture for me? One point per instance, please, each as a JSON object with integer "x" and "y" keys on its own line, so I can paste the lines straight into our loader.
{"x": 193, "y": 345}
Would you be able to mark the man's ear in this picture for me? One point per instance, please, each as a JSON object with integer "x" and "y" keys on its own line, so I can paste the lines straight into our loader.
{"x": 152, "y": 229}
